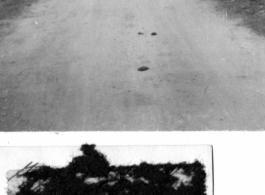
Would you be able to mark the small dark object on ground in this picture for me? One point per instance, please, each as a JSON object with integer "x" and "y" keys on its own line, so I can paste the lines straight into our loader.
{"x": 140, "y": 33}
{"x": 154, "y": 34}
{"x": 143, "y": 68}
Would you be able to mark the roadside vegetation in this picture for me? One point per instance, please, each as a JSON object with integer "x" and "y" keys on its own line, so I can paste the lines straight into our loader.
{"x": 11, "y": 9}
{"x": 252, "y": 12}
{"x": 92, "y": 174}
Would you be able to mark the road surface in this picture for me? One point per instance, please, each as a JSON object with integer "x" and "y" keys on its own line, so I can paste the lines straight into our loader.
{"x": 73, "y": 65}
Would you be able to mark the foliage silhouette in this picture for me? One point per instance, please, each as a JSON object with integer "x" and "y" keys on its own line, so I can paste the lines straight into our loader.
{"x": 143, "y": 179}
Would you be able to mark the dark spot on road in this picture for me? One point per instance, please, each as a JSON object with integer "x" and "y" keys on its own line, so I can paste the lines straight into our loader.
{"x": 154, "y": 34}
{"x": 140, "y": 33}
{"x": 241, "y": 77}
{"x": 143, "y": 68}
{"x": 181, "y": 91}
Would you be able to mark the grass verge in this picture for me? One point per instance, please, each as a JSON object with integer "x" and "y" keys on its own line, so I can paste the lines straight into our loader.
{"x": 11, "y": 9}
{"x": 251, "y": 11}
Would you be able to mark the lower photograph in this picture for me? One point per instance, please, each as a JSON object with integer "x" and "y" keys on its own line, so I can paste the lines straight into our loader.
{"x": 90, "y": 169}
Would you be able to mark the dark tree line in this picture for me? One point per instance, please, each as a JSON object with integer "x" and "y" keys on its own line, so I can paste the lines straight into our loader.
{"x": 148, "y": 179}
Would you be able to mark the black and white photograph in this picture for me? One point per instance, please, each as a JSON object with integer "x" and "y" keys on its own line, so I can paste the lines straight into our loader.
{"x": 109, "y": 170}
{"x": 131, "y": 65}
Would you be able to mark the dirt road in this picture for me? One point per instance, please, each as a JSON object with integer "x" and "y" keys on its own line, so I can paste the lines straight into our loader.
{"x": 73, "y": 65}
